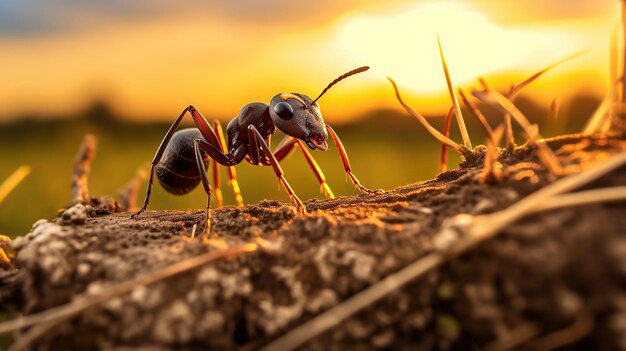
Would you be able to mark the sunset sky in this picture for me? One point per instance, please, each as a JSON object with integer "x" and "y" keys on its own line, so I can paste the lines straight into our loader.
{"x": 151, "y": 58}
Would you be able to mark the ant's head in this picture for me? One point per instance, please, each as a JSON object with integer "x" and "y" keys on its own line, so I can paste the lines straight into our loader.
{"x": 299, "y": 116}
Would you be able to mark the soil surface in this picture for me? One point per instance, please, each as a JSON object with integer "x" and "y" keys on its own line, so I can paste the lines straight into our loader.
{"x": 553, "y": 279}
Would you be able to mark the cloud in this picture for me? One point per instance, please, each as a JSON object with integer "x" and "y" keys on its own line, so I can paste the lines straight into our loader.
{"x": 47, "y": 17}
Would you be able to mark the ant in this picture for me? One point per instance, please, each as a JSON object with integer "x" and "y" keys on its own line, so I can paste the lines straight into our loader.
{"x": 182, "y": 158}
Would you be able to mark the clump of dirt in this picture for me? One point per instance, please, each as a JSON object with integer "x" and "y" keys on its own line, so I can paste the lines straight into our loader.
{"x": 560, "y": 269}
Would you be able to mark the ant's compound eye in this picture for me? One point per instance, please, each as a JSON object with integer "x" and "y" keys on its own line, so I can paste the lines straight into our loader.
{"x": 284, "y": 110}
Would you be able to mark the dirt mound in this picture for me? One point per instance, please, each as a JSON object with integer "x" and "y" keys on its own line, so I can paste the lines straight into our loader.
{"x": 559, "y": 270}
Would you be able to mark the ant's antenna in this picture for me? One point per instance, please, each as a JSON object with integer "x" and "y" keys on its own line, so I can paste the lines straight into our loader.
{"x": 340, "y": 78}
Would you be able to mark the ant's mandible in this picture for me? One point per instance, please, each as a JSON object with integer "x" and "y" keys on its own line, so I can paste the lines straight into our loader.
{"x": 182, "y": 158}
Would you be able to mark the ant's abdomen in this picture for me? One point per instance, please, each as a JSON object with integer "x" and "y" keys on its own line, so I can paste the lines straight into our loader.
{"x": 177, "y": 171}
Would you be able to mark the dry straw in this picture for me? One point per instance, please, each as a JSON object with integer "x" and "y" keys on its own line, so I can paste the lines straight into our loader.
{"x": 444, "y": 149}
{"x": 477, "y": 113}
{"x": 13, "y": 181}
{"x": 455, "y": 102}
{"x": 545, "y": 154}
{"x": 6, "y": 188}
{"x": 492, "y": 170}
{"x": 434, "y": 132}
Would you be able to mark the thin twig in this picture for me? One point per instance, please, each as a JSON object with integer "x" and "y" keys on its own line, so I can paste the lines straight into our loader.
{"x": 82, "y": 167}
{"x": 617, "y": 193}
{"x": 475, "y": 229}
{"x": 128, "y": 195}
{"x": 582, "y": 326}
{"x": 467, "y": 142}
{"x": 545, "y": 153}
{"x": 516, "y": 337}
{"x": 84, "y": 301}
{"x": 434, "y": 132}
{"x": 27, "y": 339}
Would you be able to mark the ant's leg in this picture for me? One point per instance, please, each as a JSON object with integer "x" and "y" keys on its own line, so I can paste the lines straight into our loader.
{"x": 216, "y": 172}
{"x": 232, "y": 174}
{"x": 217, "y": 184}
{"x": 346, "y": 164}
{"x": 205, "y": 184}
{"x": 157, "y": 158}
{"x": 207, "y": 133}
{"x": 253, "y": 137}
{"x": 287, "y": 145}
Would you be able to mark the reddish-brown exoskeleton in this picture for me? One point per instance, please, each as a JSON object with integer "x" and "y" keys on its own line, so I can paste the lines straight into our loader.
{"x": 183, "y": 156}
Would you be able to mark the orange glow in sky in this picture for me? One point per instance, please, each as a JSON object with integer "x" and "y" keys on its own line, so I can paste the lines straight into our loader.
{"x": 152, "y": 67}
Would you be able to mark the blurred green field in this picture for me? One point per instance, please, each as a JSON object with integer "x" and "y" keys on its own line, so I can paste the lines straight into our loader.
{"x": 387, "y": 149}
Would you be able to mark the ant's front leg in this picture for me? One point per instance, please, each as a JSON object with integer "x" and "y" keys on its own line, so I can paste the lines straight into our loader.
{"x": 287, "y": 145}
{"x": 256, "y": 139}
{"x": 346, "y": 164}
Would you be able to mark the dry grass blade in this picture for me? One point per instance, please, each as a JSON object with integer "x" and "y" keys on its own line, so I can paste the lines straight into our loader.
{"x": 614, "y": 90}
{"x": 84, "y": 301}
{"x": 545, "y": 153}
{"x": 476, "y": 112}
{"x": 484, "y": 83}
{"x": 4, "y": 258}
{"x": 553, "y": 113}
{"x": 492, "y": 172}
{"x": 476, "y": 230}
{"x": 518, "y": 88}
{"x": 434, "y": 132}
{"x": 12, "y": 181}
{"x": 508, "y": 125}
{"x": 621, "y": 122}
{"x": 455, "y": 102}
{"x": 599, "y": 117}
{"x": 5, "y": 189}
{"x": 444, "y": 149}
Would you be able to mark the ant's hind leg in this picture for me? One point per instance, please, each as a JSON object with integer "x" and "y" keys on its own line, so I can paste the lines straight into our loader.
{"x": 232, "y": 174}
{"x": 346, "y": 164}
{"x": 157, "y": 158}
{"x": 255, "y": 140}
{"x": 207, "y": 188}
{"x": 287, "y": 145}
{"x": 217, "y": 184}
{"x": 206, "y": 131}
